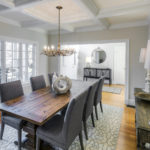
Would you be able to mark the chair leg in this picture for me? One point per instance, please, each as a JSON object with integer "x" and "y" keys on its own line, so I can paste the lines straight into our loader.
{"x": 2, "y": 130}
{"x": 38, "y": 143}
{"x": 96, "y": 112}
{"x": 19, "y": 139}
{"x": 85, "y": 130}
{"x": 92, "y": 118}
{"x": 81, "y": 140}
{"x": 101, "y": 107}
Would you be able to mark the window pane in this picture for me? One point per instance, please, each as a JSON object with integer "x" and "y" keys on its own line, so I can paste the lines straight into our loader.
{"x": 9, "y": 63}
{"x": 8, "y": 46}
{"x": 30, "y": 47}
{"x": 9, "y": 54}
{"x": 18, "y": 61}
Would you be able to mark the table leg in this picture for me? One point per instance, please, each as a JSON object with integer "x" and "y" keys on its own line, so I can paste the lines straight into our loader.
{"x": 29, "y": 142}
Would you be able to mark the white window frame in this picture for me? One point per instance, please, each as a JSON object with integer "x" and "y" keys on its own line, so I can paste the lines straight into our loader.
{"x": 20, "y": 41}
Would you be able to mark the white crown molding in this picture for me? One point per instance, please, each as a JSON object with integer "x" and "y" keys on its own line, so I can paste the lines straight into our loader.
{"x": 7, "y": 3}
{"x": 8, "y": 21}
{"x": 124, "y": 9}
{"x": 129, "y": 24}
{"x": 98, "y": 28}
{"x": 15, "y": 23}
{"x": 66, "y": 27}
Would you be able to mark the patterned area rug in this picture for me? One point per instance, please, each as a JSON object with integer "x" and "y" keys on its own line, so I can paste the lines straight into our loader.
{"x": 112, "y": 90}
{"x": 103, "y": 137}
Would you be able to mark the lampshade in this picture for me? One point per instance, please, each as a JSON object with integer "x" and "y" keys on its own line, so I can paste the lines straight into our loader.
{"x": 147, "y": 57}
{"x": 88, "y": 60}
{"x": 142, "y": 55}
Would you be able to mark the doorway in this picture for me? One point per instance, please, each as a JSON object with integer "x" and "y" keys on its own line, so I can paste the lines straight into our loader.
{"x": 117, "y": 60}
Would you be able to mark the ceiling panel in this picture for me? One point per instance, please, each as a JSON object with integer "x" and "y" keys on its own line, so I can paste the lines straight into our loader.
{"x": 47, "y": 11}
{"x": 104, "y": 4}
{"x": 138, "y": 16}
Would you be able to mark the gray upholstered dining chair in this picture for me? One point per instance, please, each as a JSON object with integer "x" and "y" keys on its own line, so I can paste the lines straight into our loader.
{"x": 37, "y": 82}
{"x": 8, "y": 91}
{"x": 98, "y": 96}
{"x": 60, "y": 131}
{"x": 88, "y": 107}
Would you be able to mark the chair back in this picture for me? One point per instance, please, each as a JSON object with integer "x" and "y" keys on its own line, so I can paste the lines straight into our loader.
{"x": 73, "y": 117}
{"x": 37, "y": 82}
{"x": 11, "y": 90}
{"x": 50, "y": 77}
{"x": 88, "y": 108}
{"x": 98, "y": 93}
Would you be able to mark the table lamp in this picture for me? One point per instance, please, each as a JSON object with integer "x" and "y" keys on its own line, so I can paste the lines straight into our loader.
{"x": 147, "y": 67}
{"x": 88, "y": 61}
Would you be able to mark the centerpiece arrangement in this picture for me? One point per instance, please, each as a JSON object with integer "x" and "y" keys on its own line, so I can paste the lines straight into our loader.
{"x": 60, "y": 84}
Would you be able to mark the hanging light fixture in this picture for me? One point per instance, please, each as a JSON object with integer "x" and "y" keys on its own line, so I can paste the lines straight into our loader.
{"x": 51, "y": 51}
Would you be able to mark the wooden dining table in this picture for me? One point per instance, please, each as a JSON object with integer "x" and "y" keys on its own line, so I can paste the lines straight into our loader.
{"x": 40, "y": 106}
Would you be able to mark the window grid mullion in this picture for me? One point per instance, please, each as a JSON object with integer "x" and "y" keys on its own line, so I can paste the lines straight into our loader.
{"x": 3, "y": 61}
{"x": 20, "y": 62}
{"x": 26, "y": 62}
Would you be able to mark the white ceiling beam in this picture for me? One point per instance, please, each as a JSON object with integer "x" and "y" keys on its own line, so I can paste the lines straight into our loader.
{"x": 63, "y": 26}
{"x": 129, "y": 24}
{"x": 124, "y": 9}
{"x": 23, "y": 2}
{"x": 8, "y": 21}
{"x": 7, "y": 3}
{"x": 19, "y": 5}
{"x": 31, "y": 23}
{"x": 92, "y": 10}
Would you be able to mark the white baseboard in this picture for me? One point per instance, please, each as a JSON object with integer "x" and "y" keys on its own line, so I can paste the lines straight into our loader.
{"x": 130, "y": 102}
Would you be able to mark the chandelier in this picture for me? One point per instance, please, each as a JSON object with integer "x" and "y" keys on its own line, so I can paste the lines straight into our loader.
{"x": 50, "y": 51}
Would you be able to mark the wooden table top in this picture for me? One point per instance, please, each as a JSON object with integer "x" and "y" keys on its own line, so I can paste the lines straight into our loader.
{"x": 39, "y": 106}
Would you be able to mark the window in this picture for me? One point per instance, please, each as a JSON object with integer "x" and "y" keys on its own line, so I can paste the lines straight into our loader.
{"x": 17, "y": 61}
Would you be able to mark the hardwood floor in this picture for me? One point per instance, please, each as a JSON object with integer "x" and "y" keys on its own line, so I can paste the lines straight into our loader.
{"x": 127, "y": 134}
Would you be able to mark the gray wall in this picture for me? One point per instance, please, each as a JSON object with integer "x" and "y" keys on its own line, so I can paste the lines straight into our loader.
{"x": 24, "y": 34}
{"x": 137, "y": 37}
{"x": 149, "y": 32}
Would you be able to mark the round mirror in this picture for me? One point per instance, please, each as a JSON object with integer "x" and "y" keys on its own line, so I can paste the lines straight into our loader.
{"x": 98, "y": 56}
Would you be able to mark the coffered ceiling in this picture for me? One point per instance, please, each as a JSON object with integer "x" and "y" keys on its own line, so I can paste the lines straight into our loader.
{"x": 77, "y": 15}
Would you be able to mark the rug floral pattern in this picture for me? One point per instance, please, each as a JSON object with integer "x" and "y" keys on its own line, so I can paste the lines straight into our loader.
{"x": 103, "y": 137}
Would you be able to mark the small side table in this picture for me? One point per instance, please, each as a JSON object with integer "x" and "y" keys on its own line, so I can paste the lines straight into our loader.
{"x": 142, "y": 117}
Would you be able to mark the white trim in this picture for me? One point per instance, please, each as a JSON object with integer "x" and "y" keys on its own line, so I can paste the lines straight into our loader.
{"x": 129, "y": 24}
{"x": 9, "y": 21}
{"x": 131, "y": 102}
{"x": 18, "y": 40}
{"x": 124, "y": 9}
{"x": 126, "y": 41}
{"x": 17, "y": 24}
{"x": 92, "y": 10}
{"x": 100, "y": 28}
{"x": 127, "y": 73}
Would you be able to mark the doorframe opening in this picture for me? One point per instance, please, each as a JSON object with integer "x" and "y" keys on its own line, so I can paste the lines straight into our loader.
{"x": 126, "y": 41}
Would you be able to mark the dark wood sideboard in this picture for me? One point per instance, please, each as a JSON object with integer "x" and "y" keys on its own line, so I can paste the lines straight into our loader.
{"x": 97, "y": 73}
{"x": 142, "y": 118}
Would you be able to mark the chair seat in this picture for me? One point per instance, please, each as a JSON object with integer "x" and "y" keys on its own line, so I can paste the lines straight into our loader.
{"x": 13, "y": 121}
{"x": 51, "y": 131}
